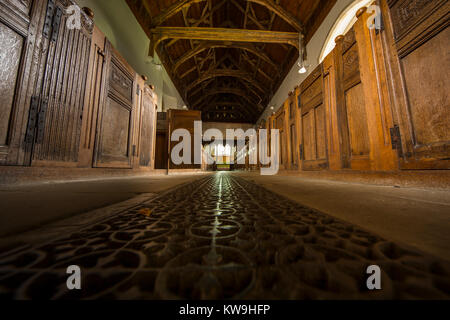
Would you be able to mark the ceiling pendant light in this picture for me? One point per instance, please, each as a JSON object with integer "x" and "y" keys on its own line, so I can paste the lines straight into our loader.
{"x": 302, "y": 70}
{"x": 302, "y": 52}
{"x": 158, "y": 65}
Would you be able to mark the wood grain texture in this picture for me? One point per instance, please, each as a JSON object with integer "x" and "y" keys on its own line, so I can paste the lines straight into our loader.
{"x": 418, "y": 61}
{"x": 11, "y": 47}
{"x": 117, "y": 115}
{"x": 62, "y": 91}
{"x": 313, "y": 120}
{"x": 19, "y": 55}
{"x": 182, "y": 119}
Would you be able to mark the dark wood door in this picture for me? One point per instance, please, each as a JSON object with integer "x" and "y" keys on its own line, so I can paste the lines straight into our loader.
{"x": 93, "y": 99}
{"x": 292, "y": 127}
{"x": 420, "y": 58}
{"x": 114, "y": 146}
{"x": 147, "y": 129}
{"x": 183, "y": 119}
{"x": 280, "y": 125}
{"x": 18, "y": 31}
{"x": 161, "y": 152}
{"x": 62, "y": 86}
{"x": 314, "y": 153}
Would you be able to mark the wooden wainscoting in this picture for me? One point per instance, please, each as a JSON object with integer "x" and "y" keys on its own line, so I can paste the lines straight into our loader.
{"x": 117, "y": 114}
{"x": 61, "y": 87}
{"x": 313, "y": 146}
{"x": 146, "y": 133}
{"x": 292, "y": 124}
{"x": 418, "y": 56}
{"x": 280, "y": 124}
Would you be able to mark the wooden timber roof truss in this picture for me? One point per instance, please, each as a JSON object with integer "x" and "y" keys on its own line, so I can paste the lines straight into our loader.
{"x": 228, "y": 57}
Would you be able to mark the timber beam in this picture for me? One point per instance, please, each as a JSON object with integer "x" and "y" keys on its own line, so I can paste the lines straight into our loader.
{"x": 159, "y": 34}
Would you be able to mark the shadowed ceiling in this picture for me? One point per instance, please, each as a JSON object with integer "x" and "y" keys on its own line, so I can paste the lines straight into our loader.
{"x": 228, "y": 57}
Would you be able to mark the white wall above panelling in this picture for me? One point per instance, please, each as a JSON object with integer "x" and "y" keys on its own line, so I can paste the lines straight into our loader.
{"x": 314, "y": 49}
{"x": 115, "y": 19}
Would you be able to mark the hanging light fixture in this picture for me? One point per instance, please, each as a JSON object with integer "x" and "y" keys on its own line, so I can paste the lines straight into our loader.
{"x": 302, "y": 52}
{"x": 158, "y": 65}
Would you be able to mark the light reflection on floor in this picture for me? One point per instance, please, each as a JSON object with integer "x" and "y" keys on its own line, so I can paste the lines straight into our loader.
{"x": 222, "y": 237}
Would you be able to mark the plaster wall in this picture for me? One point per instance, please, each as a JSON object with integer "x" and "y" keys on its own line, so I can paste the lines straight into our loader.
{"x": 116, "y": 20}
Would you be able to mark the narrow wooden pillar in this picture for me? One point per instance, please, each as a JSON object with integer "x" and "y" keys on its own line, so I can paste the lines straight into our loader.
{"x": 298, "y": 126}
{"x": 379, "y": 117}
{"x": 341, "y": 113}
{"x": 288, "y": 141}
{"x": 332, "y": 120}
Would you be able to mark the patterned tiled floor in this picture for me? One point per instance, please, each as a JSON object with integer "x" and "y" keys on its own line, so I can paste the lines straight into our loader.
{"x": 222, "y": 237}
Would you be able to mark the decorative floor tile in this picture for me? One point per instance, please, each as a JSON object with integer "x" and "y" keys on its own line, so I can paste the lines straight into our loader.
{"x": 222, "y": 237}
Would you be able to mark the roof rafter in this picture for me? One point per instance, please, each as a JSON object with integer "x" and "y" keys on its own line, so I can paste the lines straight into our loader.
{"x": 269, "y": 4}
{"x": 232, "y": 91}
{"x": 281, "y": 12}
{"x": 208, "y": 104}
{"x": 224, "y": 73}
{"x": 206, "y": 45}
{"x": 172, "y": 10}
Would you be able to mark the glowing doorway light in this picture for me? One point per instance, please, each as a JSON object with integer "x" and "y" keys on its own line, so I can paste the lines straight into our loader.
{"x": 224, "y": 151}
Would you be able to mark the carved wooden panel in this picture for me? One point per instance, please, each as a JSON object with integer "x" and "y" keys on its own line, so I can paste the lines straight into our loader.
{"x": 427, "y": 86}
{"x": 314, "y": 137}
{"x": 350, "y": 104}
{"x": 313, "y": 118}
{"x": 114, "y": 148}
{"x": 24, "y": 6}
{"x": 292, "y": 125}
{"x": 293, "y": 141}
{"x": 147, "y": 134}
{"x": 421, "y": 36}
{"x": 308, "y": 136}
{"x": 280, "y": 125}
{"x": 120, "y": 83}
{"x": 116, "y": 129}
{"x": 407, "y": 14}
{"x": 357, "y": 122}
{"x": 349, "y": 40}
{"x": 350, "y": 61}
{"x": 19, "y": 54}
{"x": 321, "y": 133}
{"x": 92, "y": 98}
{"x": 291, "y": 111}
{"x": 11, "y": 48}
{"x": 330, "y": 104}
{"x": 63, "y": 88}
{"x": 314, "y": 75}
{"x": 312, "y": 96}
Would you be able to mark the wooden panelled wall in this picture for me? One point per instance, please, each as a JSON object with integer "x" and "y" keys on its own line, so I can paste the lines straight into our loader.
{"x": 379, "y": 101}
{"x": 67, "y": 97}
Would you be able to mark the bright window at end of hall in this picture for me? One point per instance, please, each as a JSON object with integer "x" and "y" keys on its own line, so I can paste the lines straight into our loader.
{"x": 343, "y": 24}
{"x": 224, "y": 151}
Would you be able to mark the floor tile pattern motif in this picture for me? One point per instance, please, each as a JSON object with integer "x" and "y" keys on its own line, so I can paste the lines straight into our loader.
{"x": 222, "y": 237}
